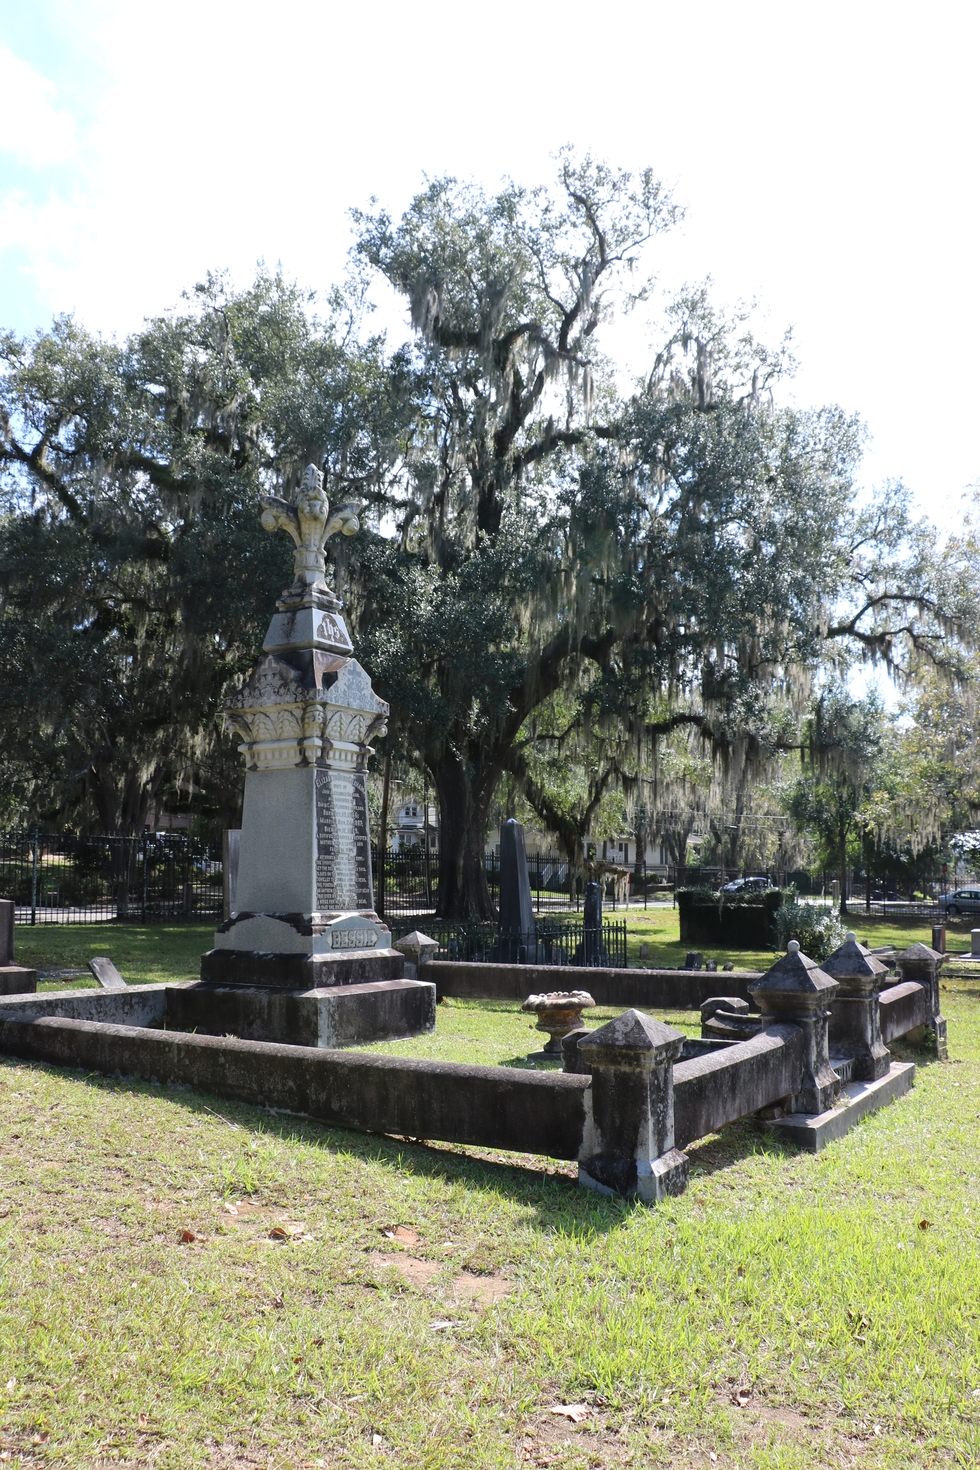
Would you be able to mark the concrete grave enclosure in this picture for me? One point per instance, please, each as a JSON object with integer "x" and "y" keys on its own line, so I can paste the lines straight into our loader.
{"x": 632, "y": 1095}
{"x": 305, "y": 967}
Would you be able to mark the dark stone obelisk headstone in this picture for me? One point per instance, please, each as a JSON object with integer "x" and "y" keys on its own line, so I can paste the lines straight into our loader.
{"x": 590, "y": 951}
{"x": 516, "y": 933}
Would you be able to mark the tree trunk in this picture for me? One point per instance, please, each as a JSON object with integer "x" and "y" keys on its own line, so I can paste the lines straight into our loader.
{"x": 465, "y": 790}
{"x": 842, "y": 868}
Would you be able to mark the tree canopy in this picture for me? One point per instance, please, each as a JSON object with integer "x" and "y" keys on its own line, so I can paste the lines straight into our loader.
{"x": 549, "y": 562}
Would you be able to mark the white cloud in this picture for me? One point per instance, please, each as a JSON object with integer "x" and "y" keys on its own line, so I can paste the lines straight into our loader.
{"x": 34, "y": 129}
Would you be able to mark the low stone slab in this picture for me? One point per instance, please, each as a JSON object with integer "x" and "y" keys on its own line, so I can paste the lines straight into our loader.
{"x": 857, "y": 1099}
{"x": 17, "y": 980}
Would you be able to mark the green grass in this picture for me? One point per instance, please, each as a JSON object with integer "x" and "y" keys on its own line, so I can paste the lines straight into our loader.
{"x": 787, "y": 1311}
{"x": 144, "y": 954}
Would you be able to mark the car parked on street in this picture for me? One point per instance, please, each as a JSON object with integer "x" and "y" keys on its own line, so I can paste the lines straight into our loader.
{"x": 963, "y": 901}
{"x": 746, "y": 885}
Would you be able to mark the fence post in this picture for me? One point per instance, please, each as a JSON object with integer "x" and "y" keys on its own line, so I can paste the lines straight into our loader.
{"x": 921, "y": 964}
{"x": 143, "y": 892}
{"x": 855, "y": 1017}
{"x": 795, "y": 989}
{"x": 34, "y": 876}
{"x": 628, "y": 1140}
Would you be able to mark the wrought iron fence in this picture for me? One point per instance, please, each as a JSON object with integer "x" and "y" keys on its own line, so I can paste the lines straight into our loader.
{"x": 159, "y": 877}
{"x": 173, "y": 876}
{"x": 555, "y": 942}
{"x": 407, "y": 882}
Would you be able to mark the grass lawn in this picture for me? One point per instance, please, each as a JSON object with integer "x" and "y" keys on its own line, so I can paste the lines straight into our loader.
{"x": 185, "y": 1282}
{"x": 144, "y": 954}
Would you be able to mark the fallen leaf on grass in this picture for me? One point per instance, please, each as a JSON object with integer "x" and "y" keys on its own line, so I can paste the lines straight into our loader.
{"x": 575, "y": 1412}
{"x": 404, "y": 1234}
{"x": 441, "y": 1323}
{"x": 741, "y": 1397}
{"x": 289, "y": 1232}
{"x": 230, "y": 1209}
{"x": 187, "y": 1237}
{"x": 925, "y": 1224}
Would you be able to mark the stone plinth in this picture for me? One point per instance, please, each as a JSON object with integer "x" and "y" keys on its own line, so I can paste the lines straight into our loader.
{"x": 920, "y": 965}
{"x": 14, "y": 979}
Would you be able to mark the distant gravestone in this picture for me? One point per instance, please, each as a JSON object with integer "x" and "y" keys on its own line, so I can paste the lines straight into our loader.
{"x": 230, "y": 848}
{"x": 106, "y": 973}
{"x": 517, "y": 932}
{"x": 590, "y": 951}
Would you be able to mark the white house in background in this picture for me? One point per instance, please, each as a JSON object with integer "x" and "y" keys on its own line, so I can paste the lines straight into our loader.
{"x": 620, "y": 852}
{"x": 410, "y": 826}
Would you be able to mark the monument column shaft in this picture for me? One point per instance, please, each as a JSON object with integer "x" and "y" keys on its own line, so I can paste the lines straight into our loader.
{"x": 305, "y": 846}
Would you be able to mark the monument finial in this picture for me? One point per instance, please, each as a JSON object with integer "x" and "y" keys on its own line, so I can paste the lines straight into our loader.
{"x": 309, "y": 522}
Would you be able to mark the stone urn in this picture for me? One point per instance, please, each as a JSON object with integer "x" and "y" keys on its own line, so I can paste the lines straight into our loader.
{"x": 558, "y": 1013}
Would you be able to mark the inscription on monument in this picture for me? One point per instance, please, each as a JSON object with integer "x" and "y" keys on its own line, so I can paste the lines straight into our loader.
{"x": 353, "y": 938}
{"x": 327, "y": 896}
{"x": 362, "y": 842}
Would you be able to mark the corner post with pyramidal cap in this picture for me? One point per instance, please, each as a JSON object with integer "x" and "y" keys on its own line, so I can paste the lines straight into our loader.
{"x": 628, "y": 1140}
{"x": 307, "y": 716}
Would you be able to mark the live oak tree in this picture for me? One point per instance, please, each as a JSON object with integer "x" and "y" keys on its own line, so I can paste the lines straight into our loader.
{"x": 135, "y": 578}
{"x": 679, "y": 557}
{"x": 683, "y": 556}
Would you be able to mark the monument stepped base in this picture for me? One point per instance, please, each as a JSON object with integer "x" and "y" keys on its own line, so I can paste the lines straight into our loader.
{"x": 333, "y": 1016}
{"x": 300, "y": 971}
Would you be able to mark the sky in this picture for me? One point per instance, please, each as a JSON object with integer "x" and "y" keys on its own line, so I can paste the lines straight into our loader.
{"x": 826, "y": 155}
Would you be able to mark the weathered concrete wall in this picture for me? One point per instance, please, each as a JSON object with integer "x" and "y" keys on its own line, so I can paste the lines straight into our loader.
{"x": 902, "y": 1008}
{"x": 138, "y": 1005}
{"x": 490, "y": 1107}
{"x": 645, "y": 989}
{"x": 712, "y": 1090}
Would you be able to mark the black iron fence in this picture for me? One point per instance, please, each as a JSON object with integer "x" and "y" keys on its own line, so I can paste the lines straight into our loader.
{"x": 552, "y": 942}
{"x": 174, "y": 876}
{"x": 168, "y": 877}
{"x": 154, "y": 878}
{"x": 407, "y": 881}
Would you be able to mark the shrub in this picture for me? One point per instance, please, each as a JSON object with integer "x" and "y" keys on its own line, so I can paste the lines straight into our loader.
{"x": 818, "y": 930}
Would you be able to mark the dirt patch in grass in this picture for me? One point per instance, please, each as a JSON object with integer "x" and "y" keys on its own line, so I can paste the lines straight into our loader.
{"x": 412, "y": 1270}
{"x": 467, "y": 1286}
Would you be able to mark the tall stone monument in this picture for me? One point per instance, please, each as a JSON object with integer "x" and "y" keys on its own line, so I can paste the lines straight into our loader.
{"x": 304, "y": 914}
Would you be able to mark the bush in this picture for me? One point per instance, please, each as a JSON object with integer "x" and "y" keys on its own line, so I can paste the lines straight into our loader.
{"x": 819, "y": 931}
